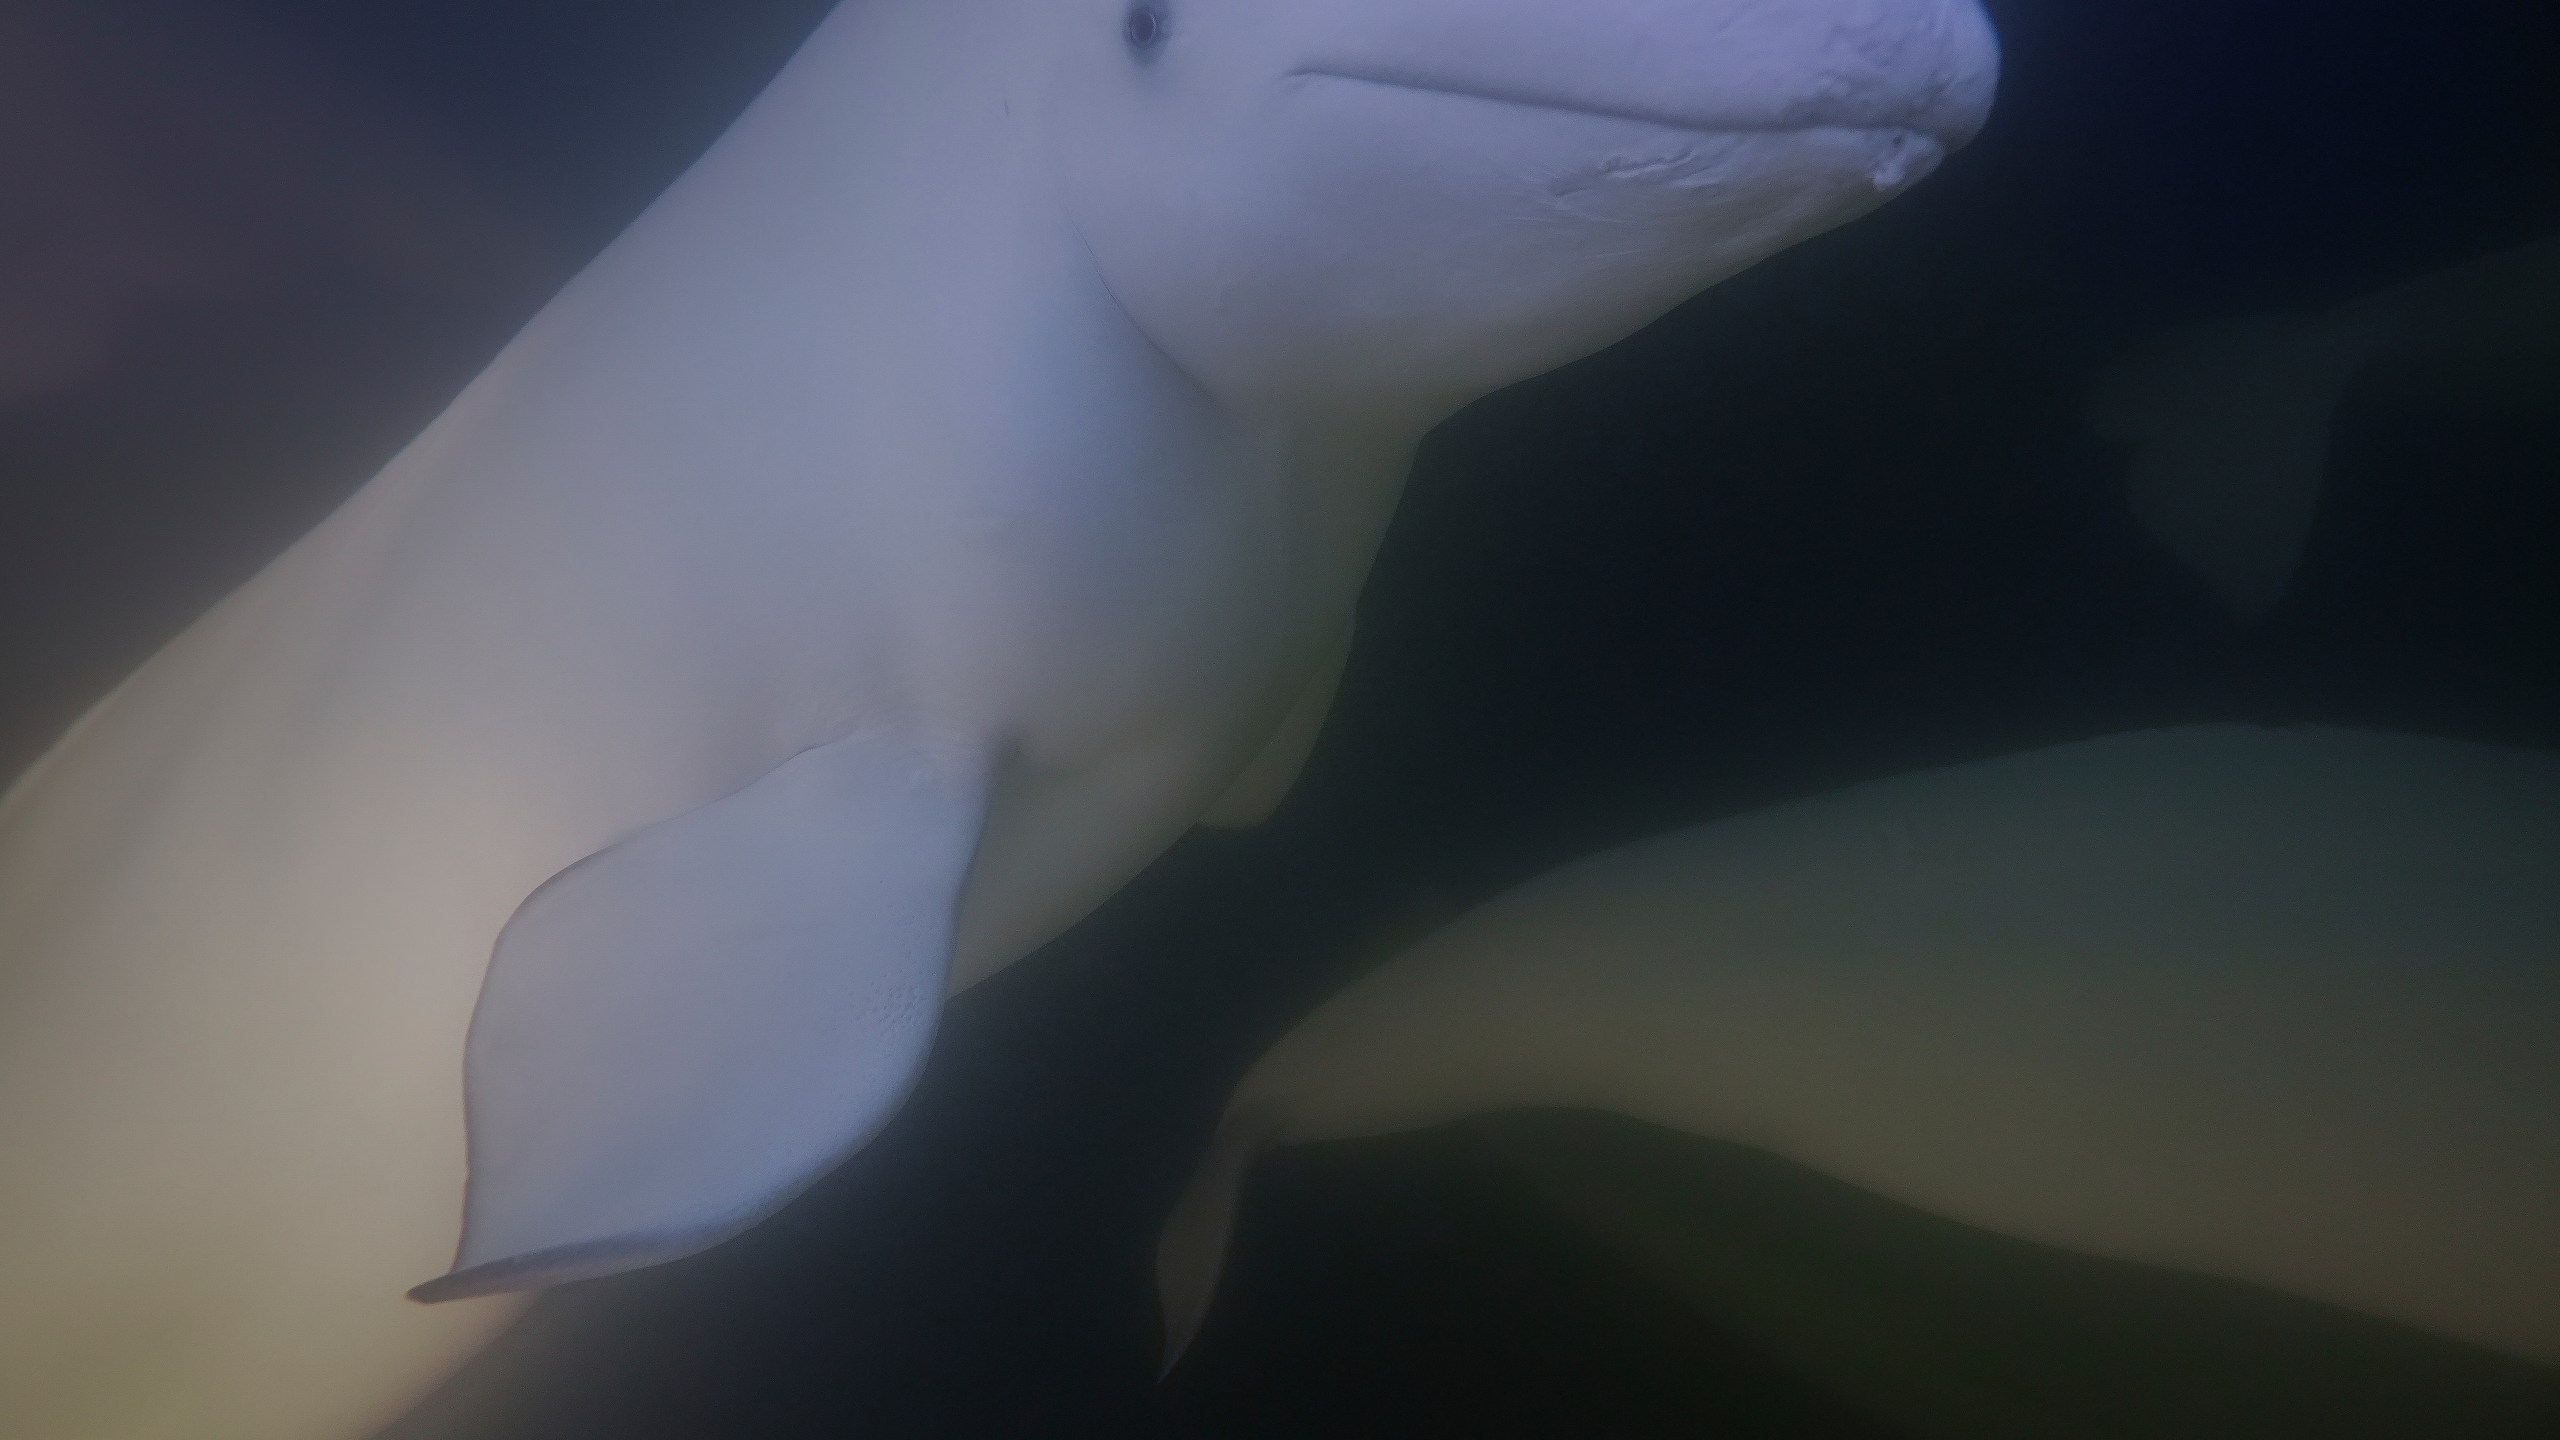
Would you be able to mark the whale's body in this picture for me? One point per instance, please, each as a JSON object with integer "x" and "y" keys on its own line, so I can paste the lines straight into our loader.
{"x": 2274, "y": 1006}
{"x": 953, "y": 489}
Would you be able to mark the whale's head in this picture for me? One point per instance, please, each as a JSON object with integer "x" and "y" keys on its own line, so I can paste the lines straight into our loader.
{"x": 1402, "y": 204}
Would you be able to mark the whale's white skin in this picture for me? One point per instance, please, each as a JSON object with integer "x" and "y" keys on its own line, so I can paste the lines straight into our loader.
{"x": 2277, "y": 1006}
{"x": 955, "y": 487}
{"x": 2228, "y": 421}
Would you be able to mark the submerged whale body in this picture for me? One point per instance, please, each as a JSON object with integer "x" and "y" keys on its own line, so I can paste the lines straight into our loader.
{"x": 955, "y": 487}
{"x": 2275, "y": 1007}
{"x": 2226, "y": 424}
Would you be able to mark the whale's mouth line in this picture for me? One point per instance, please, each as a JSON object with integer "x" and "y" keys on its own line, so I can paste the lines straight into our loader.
{"x": 1667, "y": 119}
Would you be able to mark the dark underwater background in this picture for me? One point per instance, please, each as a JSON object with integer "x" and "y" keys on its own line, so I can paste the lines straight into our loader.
{"x": 1836, "y": 519}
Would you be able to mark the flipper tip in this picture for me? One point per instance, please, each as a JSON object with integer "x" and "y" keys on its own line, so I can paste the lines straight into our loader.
{"x": 1192, "y": 1249}
{"x": 459, "y": 1285}
{"x": 557, "y": 1265}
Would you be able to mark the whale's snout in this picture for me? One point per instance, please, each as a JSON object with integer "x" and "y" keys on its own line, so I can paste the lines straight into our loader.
{"x": 1928, "y": 67}
{"x": 1925, "y": 68}
{"x": 1951, "y": 92}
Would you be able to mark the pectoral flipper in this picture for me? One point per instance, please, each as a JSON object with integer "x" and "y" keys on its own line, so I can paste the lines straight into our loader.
{"x": 684, "y": 1030}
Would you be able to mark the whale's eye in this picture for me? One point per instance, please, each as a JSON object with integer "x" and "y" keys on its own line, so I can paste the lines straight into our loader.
{"x": 1144, "y": 30}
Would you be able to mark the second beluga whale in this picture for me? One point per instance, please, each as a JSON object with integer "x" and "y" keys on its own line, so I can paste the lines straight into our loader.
{"x": 953, "y": 489}
{"x": 2168, "y": 1083}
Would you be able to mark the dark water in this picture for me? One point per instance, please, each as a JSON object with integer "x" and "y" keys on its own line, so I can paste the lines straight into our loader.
{"x": 1838, "y": 518}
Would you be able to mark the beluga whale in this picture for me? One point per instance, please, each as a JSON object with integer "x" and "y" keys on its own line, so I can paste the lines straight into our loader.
{"x": 2222, "y": 1054}
{"x": 2226, "y": 423}
{"x": 955, "y": 487}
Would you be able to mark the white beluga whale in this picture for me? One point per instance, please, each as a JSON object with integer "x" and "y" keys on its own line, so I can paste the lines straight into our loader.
{"x": 2277, "y": 1007}
{"x": 2227, "y": 422}
{"x": 954, "y": 488}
